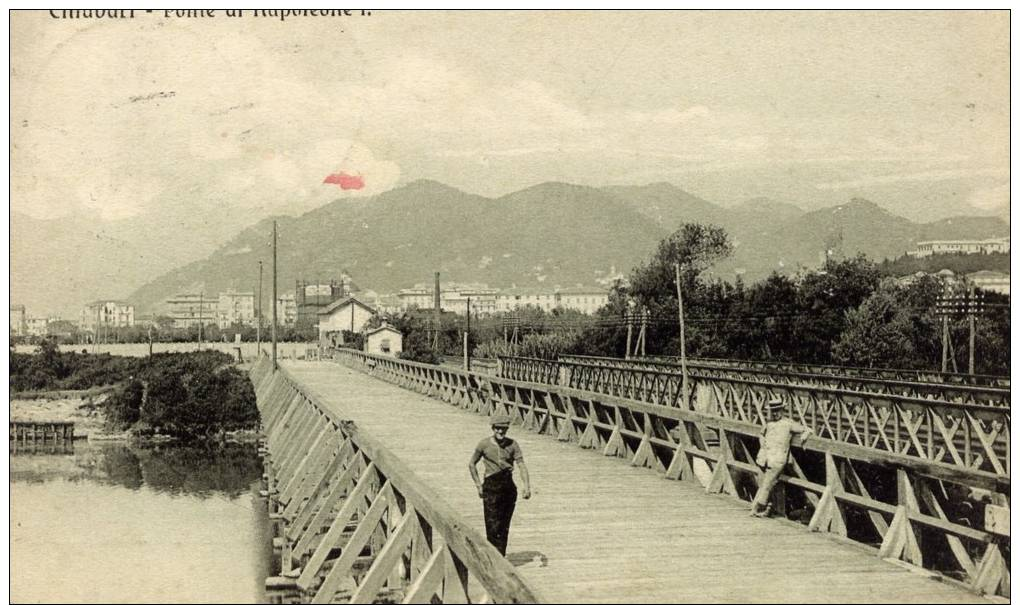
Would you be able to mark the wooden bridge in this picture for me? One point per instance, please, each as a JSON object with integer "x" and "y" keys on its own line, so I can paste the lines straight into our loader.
{"x": 366, "y": 469}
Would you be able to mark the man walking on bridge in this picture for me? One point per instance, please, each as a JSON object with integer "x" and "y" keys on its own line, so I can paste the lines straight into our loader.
{"x": 498, "y": 454}
{"x": 774, "y": 452}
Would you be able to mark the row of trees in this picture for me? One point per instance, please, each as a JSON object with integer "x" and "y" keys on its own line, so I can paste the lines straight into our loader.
{"x": 848, "y": 312}
{"x": 163, "y": 331}
{"x": 185, "y": 395}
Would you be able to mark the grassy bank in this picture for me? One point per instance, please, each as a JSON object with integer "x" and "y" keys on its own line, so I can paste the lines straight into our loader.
{"x": 181, "y": 395}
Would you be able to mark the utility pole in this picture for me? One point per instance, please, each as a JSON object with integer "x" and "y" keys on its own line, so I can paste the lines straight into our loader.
{"x": 973, "y": 308}
{"x": 683, "y": 342}
{"x": 201, "y": 303}
{"x": 644, "y": 329}
{"x": 274, "y": 297}
{"x": 467, "y": 338}
{"x": 945, "y": 344}
{"x": 150, "y": 340}
{"x": 630, "y": 329}
{"x": 437, "y": 313}
{"x": 258, "y": 314}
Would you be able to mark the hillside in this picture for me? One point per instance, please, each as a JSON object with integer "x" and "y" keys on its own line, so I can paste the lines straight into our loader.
{"x": 552, "y": 233}
{"x": 548, "y": 234}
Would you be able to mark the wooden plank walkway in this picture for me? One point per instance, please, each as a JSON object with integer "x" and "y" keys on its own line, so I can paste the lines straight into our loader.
{"x": 598, "y": 530}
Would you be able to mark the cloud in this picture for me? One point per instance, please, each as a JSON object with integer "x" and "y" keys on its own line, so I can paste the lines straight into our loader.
{"x": 990, "y": 199}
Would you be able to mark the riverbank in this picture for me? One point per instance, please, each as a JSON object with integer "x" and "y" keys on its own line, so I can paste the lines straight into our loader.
{"x": 84, "y": 410}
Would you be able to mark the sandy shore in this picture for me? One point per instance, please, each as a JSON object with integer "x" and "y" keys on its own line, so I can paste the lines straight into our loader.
{"x": 85, "y": 413}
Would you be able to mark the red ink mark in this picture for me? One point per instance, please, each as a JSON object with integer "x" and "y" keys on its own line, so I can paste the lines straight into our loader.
{"x": 345, "y": 181}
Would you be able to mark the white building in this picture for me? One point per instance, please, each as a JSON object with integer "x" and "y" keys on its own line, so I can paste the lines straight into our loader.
{"x": 286, "y": 311}
{"x": 993, "y": 281}
{"x": 107, "y": 314}
{"x": 384, "y": 340}
{"x": 584, "y": 299}
{"x": 587, "y": 300}
{"x": 189, "y": 310}
{"x": 453, "y": 297}
{"x": 37, "y": 326}
{"x": 18, "y": 320}
{"x": 235, "y": 308}
{"x": 346, "y": 315}
{"x": 986, "y": 246}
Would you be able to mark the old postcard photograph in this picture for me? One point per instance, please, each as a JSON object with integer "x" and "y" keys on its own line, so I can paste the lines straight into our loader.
{"x": 531, "y": 306}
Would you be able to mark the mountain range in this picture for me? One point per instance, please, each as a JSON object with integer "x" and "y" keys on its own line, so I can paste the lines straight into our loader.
{"x": 545, "y": 235}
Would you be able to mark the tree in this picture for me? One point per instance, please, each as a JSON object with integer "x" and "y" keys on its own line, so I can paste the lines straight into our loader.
{"x": 894, "y": 327}
{"x": 823, "y": 300}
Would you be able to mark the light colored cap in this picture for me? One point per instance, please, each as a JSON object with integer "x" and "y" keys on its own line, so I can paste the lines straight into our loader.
{"x": 499, "y": 420}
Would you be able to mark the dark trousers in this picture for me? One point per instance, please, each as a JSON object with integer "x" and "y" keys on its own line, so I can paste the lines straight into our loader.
{"x": 499, "y": 498}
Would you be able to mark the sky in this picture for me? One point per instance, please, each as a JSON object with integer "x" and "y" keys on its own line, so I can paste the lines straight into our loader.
{"x": 117, "y": 118}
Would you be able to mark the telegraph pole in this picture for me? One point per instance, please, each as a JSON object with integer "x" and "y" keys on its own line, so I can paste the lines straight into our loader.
{"x": 467, "y": 338}
{"x": 683, "y": 342}
{"x": 258, "y": 314}
{"x": 201, "y": 303}
{"x": 274, "y": 296}
{"x": 630, "y": 328}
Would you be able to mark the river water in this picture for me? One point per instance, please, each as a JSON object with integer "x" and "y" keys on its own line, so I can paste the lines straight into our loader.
{"x": 112, "y": 523}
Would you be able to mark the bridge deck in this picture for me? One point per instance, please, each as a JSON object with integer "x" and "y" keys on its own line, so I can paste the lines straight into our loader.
{"x": 598, "y": 530}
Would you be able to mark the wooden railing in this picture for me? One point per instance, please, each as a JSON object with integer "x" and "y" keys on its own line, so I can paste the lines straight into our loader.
{"x": 335, "y": 487}
{"x": 972, "y": 437}
{"x": 929, "y": 376}
{"x": 933, "y": 391}
{"x": 927, "y": 512}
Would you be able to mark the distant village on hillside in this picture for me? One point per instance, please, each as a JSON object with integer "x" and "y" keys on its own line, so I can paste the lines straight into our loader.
{"x": 302, "y": 307}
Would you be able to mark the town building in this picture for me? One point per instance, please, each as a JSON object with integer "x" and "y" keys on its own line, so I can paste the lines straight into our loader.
{"x": 453, "y": 297}
{"x": 384, "y": 340}
{"x": 235, "y": 308}
{"x": 986, "y": 246}
{"x": 18, "y": 325}
{"x": 189, "y": 310}
{"x": 106, "y": 314}
{"x": 346, "y": 315}
{"x": 286, "y": 311}
{"x": 586, "y": 299}
{"x": 37, "y": 326}
{"x": 62, "y": 329}
{"x": 312, "y": 297}
{"x": 992, "y": 281}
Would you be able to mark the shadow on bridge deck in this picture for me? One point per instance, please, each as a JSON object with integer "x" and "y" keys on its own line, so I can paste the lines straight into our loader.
{"x": 599, "y": 530}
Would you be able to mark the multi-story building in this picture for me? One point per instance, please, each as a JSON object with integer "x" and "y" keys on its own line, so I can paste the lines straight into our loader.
{"x": 235, "y": 308}
{"x": 188, "y": 310}
{"x": 993, "y": 281}
{"x": 311, "y": 298}
{"x": 517, "y": 298}
{"x": 18, "y": 320}
{"x": 36, "y": 326}
{"x": 286, "y": 311}
{"x": 986, "y": 246}
{"x": 107, "y": 314}
{"x": 584, "y": 299}
{"x": 453, "y": 297}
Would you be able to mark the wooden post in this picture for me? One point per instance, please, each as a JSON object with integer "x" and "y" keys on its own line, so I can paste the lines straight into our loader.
{"x": 972, "y": 319}
{"x": 273, "y": 330}
{"x": 945, "y": 343}
{"x": 683, "y": 343}
{"x": 467, "y": 338}
{"x": 629, "y": 331}
{"x": 258, "y": 316}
